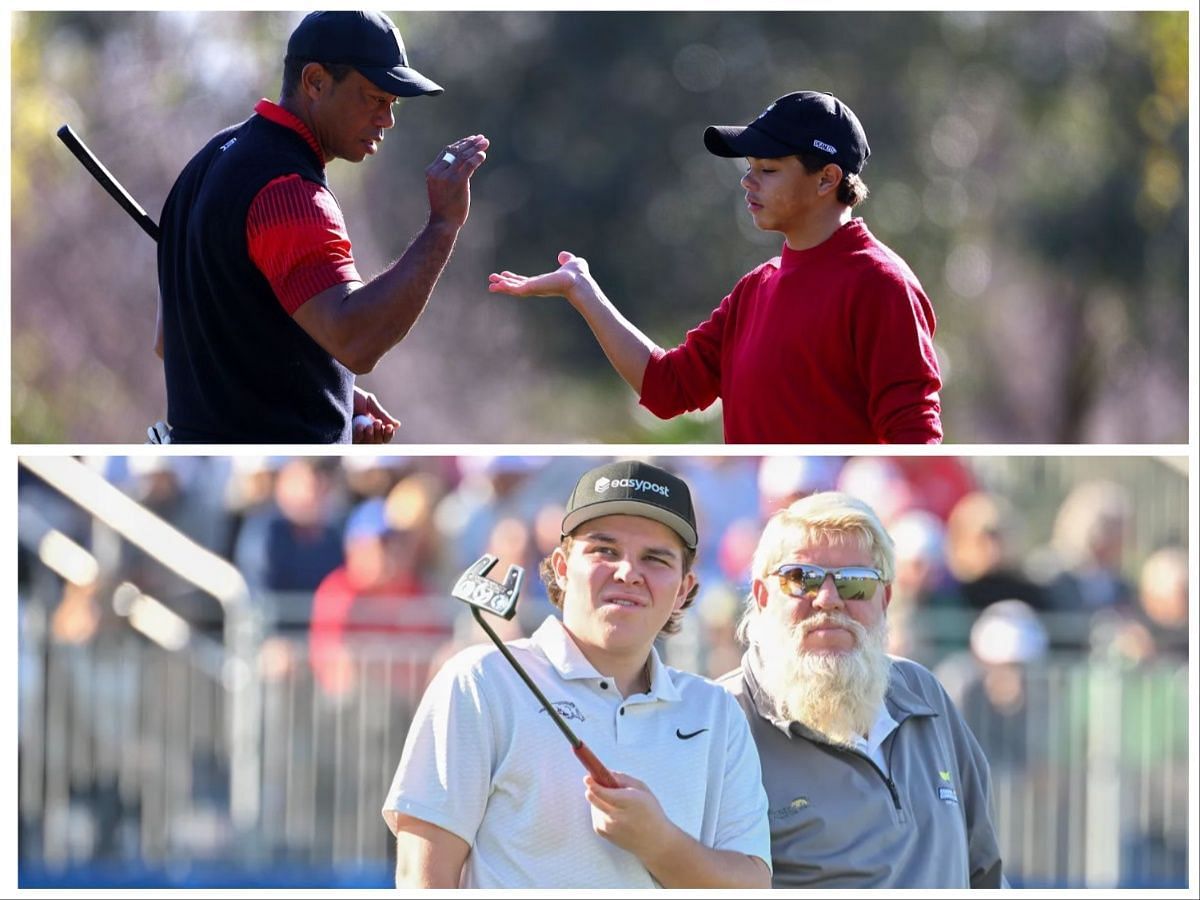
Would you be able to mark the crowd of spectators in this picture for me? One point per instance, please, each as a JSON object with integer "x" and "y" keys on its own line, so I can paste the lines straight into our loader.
{"x": 341, "y": 551}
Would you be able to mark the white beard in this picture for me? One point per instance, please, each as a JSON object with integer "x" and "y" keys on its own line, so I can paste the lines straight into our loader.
{"x": 838, "y": 695}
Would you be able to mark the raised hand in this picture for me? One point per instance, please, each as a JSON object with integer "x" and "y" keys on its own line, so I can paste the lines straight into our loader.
{"x": 448, "y": 179}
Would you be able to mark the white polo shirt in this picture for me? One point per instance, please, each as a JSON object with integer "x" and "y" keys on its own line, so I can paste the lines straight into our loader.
{"x": 484, "y": 760}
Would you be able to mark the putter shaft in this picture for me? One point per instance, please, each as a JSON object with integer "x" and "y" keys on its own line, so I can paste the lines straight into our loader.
{"x": 582, "y": 752}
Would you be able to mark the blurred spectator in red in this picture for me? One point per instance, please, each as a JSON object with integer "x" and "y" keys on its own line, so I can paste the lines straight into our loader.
{"x": 736, "y": 552}
{"x": 898, "y": 484}
{"x": 1082, "y": 569}
{"x": 981, "y": 553}
{"x": 881, "y": 483}
{"x": 363, "y": 606}
{"x": 936, "y": 483}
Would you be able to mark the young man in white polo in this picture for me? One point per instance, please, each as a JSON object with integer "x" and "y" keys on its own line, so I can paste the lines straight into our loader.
{"x": 488, "y": 794}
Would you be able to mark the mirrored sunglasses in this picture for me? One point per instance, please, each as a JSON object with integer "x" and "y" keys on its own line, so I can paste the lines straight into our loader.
{"x": 851, "y": 582}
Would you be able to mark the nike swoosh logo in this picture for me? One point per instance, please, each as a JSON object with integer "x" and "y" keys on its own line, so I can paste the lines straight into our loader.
{"x": 685, "y": 737}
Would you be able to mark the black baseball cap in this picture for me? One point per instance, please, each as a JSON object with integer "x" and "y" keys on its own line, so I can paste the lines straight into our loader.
{"x": 366, "y": 40}
{"x": 800, "y": 122}
{"x": 633, "y": 488}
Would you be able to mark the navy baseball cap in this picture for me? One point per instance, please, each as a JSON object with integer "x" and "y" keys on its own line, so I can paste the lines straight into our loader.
{"x": 633, "y": 488}
{"x": 366, "y": 40}
{"x": 800, "y": 122}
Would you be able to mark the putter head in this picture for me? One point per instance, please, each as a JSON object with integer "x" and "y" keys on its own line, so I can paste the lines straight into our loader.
{"x": 475, "y": 588}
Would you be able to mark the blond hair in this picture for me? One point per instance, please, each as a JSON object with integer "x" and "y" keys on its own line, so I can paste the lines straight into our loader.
{"x": 824, "y": 517}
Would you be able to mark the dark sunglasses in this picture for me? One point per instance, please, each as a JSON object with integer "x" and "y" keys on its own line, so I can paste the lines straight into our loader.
{"x": 851, "y": 582}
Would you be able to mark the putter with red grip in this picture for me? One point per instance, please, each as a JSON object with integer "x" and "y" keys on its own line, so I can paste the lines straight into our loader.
{"x": 482, "y": 593}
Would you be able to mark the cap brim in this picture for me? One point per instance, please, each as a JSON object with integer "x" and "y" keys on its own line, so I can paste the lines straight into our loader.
{"x": 401, "y": 81}
{"x": 631, "y": 508}
{"x": 743, "y": 140}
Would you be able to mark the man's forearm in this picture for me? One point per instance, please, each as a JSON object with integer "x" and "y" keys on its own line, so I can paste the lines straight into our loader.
{"x": 626, "y": 347}
{"x": 379, "y": 314}
{"x": 683, "y": 862}
{"x": 397, "y": 297}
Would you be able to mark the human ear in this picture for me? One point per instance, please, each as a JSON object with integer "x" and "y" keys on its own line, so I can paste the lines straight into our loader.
{"x": 558, "y": 563}
{"x": 758, "y": 590}
{"x": 685, "y": 588}
{"x": 831, "y": 177}
{"x": 313, "y": 78}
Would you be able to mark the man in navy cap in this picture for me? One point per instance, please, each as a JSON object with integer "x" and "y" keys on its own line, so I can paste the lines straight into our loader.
{"x": 264, "y": 319}
{"x": 830, "y": 342}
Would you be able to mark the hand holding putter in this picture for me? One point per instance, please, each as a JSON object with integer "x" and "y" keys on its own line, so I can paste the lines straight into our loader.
{"x": 482, "y": 593}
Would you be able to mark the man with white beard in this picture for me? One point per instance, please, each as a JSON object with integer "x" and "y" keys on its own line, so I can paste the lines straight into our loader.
{"x": 873, "y": 778}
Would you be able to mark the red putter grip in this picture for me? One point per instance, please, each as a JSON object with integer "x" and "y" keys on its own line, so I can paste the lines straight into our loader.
{"x": 595, "y": 767}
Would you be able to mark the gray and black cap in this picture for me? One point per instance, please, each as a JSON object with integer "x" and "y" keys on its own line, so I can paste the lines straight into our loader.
{"x": 633, "y": 488}
{"x": 366, "y": 40}
{"x": 800, "y": 122}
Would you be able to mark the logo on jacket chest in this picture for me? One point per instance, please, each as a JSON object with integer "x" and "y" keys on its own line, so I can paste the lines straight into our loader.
{"x": 794, "y": 808}
{"x": 945, "y": 788}
{"x": 567, "y": 710}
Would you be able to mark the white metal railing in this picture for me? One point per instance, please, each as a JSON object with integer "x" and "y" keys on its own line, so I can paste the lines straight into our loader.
{"x": 1089, "y": 765}
{"x": 206, "y": 571}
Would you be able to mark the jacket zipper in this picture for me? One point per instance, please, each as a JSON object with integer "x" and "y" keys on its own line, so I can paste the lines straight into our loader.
{"x": 887, "y": 779}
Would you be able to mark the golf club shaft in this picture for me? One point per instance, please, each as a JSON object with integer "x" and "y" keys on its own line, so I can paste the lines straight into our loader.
{"x": 582, "y": 752}
{"x": 107, "y": 181}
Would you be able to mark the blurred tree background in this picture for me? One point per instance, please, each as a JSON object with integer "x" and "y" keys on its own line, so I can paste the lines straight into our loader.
{"x": 1031, "y": 168}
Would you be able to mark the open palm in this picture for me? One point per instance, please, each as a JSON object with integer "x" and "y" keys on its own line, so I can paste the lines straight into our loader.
{"x": 551, "y": 284}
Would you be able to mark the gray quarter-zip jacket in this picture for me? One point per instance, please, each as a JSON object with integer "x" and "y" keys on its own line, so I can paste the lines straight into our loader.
{"x": 838, "y": 821}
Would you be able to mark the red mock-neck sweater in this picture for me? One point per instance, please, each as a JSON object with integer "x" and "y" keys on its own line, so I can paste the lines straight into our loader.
{"x": 833, "y": 344}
